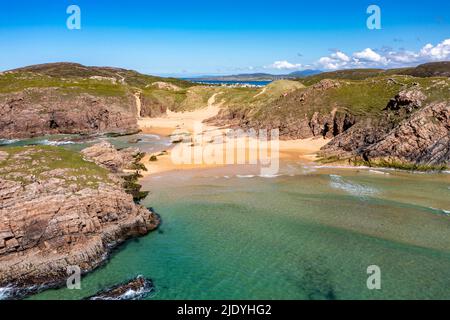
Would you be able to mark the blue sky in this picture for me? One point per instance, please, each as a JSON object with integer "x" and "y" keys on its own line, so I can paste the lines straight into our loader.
{"x": 224, "y": 37}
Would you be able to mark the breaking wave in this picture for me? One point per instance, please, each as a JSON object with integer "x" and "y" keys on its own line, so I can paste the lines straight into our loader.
{"x": 4, "y": 142}
{"x": 54, "y": 143}
{"x": 356, "y": 189}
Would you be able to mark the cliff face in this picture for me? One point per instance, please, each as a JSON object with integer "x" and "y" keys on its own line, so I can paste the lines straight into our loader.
{"x": 72, "y": 98}
{"x": 423, "y": 138}
{"x": 296, "y": 114}
{"x": 57, "y": 210}
{"x": 40, "y": 111}
{"x": 405, "y": 132}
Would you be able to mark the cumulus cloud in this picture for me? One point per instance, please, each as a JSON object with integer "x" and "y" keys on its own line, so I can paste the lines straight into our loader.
{"x": 284, "y": 65}
{"x": 438, "y": 52}
{"x": 385, "y": 58}
{"x": 370, "y": 56}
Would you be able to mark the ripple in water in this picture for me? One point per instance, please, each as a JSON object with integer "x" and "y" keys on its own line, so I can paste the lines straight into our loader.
{"x": 359, "y": 190}
{"x": 4, "y": 142}
{"x": 5, "y": 293}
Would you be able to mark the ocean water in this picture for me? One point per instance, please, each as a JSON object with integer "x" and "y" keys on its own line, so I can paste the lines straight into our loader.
{"x": 307, "y": 233}
{"x": 146, "y": 142}
{"x": 223, "y": 82}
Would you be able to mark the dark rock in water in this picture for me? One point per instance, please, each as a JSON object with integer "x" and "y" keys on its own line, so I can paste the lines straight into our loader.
{"x": 134, "y": 140}
{"x": 135, "y": 289}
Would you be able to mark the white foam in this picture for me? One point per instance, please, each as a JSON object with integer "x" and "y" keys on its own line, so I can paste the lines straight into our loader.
{"x": 54, "y": 143}
{"x": 379, "y": 172}
{"x": 245, "y": 176}
{"x": 269, "y": 176}
{"x": 8, "y": 141}
{"x": 337, "y": 182}
{"x": 340, "y": 167}
{"x": 5, "y": 293}
{"x": 154, "y": 136}
{"x": 443, "y": 211}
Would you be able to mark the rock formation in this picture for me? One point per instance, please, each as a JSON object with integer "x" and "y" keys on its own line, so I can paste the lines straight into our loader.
{"x": 134, "y": 289}
{"x": 105, "y": 155}
{"x": 39, "y": 111}
{"x": 56, "y": 211}
{"x": 406, "y": 132}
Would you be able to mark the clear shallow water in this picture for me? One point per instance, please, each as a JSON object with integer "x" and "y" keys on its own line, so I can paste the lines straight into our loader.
{"x": 146, "y": 142}
{"x": 309, "y": 233}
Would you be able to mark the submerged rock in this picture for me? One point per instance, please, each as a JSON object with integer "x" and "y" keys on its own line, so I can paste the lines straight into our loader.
{"x": 134, "y": 289}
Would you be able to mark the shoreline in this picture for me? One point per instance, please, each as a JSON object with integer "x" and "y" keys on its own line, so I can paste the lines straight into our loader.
{"x": 186, "y": 123}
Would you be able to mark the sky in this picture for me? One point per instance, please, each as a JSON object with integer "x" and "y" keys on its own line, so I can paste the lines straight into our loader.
{"x": 199, "y": 37}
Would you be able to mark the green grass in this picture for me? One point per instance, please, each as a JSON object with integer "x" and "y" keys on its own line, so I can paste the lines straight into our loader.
{"x": 361, "y": 98}
{"x": 23, "y": 163}
{"x": 400, "y": 165}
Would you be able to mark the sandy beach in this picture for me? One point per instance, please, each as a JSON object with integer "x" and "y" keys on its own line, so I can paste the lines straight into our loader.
{"x": 184, "y": 124}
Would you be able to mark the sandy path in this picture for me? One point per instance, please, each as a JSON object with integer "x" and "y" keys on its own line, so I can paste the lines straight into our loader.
{"x": 262, "y": 92}
{"x": 180, "y": 121}
{"x": 137, "y": 96}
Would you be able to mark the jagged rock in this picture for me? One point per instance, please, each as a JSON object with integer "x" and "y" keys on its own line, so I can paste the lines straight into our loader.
{"x": 423, "y": 138}
{"x": 105, "y": 155}
{"x": 409, "y": 99}
{"x": 60, "y": 218}
{"x": 420, "y": 138}
{"x": 135, "y": 289}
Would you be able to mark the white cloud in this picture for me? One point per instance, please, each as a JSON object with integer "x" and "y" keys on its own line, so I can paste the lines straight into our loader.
{"x": 380, "y": 58}
{"x": 370, "y": 56}
{"x": 341, "y": 56}
{"x": 284, "y": 65}
{"x": 438, "y": 52}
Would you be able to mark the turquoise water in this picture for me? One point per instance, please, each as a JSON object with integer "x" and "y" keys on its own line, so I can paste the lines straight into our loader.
{"x": 145, "y": 142}
{"x": 310, "y": 233}
{"x": 220, "y": 82}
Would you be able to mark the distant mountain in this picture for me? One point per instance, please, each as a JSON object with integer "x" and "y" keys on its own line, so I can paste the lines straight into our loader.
{"x": 258, "y": 76}
{"x": 433, "y": 69}
{"x": 304, "y": 73}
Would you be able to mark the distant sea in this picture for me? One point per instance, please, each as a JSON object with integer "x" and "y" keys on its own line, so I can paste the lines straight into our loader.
{"x": 220, "y": 82}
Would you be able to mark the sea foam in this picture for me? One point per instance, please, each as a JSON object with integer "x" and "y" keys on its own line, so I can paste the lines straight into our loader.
{"x": 54, "y": 143}
{"x": 337, "y": 182}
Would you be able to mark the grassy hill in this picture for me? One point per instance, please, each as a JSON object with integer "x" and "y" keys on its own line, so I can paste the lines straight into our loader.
{"x": 434, "y": 69}
{"x": 74, "y": 79}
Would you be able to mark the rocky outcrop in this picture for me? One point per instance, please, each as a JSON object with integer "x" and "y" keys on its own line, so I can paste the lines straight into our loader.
{"x": 39, "y": 111}
{"x": 165, "y": 86}
{"x": 134, "y": 289}
{"x": 293, "y": 114}
{"x": 152, "y": 107}
{"x": 422, "y": 138}
{"x": 56, "y": 211}
{"x": 406, "y": 132}
{"x": 407, "y": 99}
{"x": 105, "y": 155}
